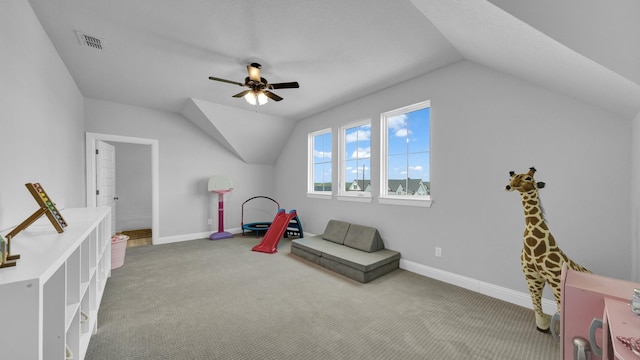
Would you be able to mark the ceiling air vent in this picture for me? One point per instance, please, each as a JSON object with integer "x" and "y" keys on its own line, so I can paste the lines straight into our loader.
{"x": 88, "y": 40}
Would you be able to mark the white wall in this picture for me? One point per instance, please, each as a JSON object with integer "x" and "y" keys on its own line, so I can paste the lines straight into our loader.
{"x": 188, "y": 158}
{"x": 41, "y": 119}
{"x": 635, "y": 197}
{"x": 484, "y": 124}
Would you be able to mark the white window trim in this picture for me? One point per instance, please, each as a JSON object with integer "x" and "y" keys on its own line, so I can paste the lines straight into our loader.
{"x": 384, "y": 165}
{"x": 406, "y": 201}
{"x": 361, "y": 197}
{"x": 342, "y": 193}
{"x": 311, "y": 193}
{"x": 318, "y": 195}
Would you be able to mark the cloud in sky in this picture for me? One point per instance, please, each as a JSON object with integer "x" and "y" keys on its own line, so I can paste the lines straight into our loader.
{"x": 362, "y": 134}
{"x": 322, "y": 154}
{"x": 398, "y": 124}
{"x": 361, "y": 153}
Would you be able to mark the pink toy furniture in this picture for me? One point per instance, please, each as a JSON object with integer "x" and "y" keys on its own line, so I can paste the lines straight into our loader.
{"x": 594, "y": 308}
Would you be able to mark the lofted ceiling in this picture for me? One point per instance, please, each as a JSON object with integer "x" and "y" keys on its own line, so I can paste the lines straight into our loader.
{"x": 159, "y": 53}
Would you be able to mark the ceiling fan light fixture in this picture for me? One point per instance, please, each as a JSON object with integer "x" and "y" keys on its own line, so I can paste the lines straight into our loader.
{"x": 255, "y": 97}
{"x": 259, "y": 89}
{"x": 262, "y": 98}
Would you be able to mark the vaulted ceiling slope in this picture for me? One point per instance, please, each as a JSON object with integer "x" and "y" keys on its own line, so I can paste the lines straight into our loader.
{"x": 488, "y": 35}
{"x": 253, "y": 137}
{"x": 607, "y": 32}
{"x": 160, "y": 53}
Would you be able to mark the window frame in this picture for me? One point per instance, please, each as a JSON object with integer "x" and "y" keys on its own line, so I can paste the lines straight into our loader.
{"x": 311, "y": 192}
{"x": 384, "y": 197}
{"x": 359, "y": 196}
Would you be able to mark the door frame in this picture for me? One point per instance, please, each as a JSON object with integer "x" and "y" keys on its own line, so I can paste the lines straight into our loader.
{"x": 91, "y": 172}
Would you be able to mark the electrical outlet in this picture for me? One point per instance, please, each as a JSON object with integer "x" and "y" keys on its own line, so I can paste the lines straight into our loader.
{"x": 438, "y": 252}
{"x": 210, "y": 221}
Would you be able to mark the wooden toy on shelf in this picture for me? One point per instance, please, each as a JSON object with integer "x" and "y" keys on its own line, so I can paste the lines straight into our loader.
{"x": 3, "y": 254}
{"x": 47, "y": 207}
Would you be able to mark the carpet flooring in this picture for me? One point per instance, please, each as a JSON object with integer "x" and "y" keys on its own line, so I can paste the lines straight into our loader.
{"x": 205, "y": 299}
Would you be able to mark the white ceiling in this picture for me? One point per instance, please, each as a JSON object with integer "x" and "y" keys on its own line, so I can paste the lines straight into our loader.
{"x": 159, "y": 53}
{"x": 607, "y": 32}
{"x": 487, "y": 34}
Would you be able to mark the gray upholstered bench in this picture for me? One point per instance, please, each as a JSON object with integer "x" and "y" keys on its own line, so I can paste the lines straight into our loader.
{"x": 352, "y": 250}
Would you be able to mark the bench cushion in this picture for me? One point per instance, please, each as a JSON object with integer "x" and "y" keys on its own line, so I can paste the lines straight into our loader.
{"x": 363, "y": 238}
{"x": 361, "y": 276}
{"x": 359, "y": 260}
{"x": 336, "y": 231}
{"x": 314, "y": 245}
{"x": 305, "y": 254}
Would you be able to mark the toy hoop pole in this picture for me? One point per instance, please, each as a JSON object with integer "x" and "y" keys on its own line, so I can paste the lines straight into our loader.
{"x": 220, "y": 185}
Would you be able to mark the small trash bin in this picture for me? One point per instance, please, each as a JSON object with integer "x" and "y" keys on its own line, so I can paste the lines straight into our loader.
{"x": 118, "y": 249}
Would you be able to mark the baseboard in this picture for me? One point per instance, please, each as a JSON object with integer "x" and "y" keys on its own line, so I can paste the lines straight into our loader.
{"x": 498, "y": 292}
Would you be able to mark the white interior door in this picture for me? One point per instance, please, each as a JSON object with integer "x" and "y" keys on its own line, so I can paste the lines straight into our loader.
{"x": 106, "y": 179}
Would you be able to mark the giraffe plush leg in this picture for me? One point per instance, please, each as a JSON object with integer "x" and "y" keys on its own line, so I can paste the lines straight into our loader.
{"x": 554, "y": 279}
{"x": 536, "y": 285}
{"x": 543, "y": 322}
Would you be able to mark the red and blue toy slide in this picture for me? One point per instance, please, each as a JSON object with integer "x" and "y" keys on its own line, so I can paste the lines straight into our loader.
{"x": 269, "y": 243}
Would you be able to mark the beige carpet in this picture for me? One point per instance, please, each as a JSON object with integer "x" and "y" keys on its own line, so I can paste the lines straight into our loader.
{"x": 207, "y": 299}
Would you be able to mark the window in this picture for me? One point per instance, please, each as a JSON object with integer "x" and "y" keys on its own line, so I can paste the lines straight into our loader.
{"x": 355, "y": 156}
{"x": 405, "y": 155}
{"x": 319, "y": 173}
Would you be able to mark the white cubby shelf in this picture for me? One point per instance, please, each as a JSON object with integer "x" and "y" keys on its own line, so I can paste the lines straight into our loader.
{"x": 58, "y": 277}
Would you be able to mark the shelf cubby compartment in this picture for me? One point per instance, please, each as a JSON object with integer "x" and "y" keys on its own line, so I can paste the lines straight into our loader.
{"x": 92, "y": 242}
{"x": 104, "y": 238}
{"x": 73, "y": 336}
{"x": 85, "y": 264}
{"x": 73, "y": 277}
{"x": 87, "y": 319}
{"x": 102, "y": 274}
{"x": 54, "y": 315}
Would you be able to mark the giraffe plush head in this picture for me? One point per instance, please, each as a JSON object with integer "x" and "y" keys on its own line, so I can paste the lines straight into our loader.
{"x": 523, "y": 183}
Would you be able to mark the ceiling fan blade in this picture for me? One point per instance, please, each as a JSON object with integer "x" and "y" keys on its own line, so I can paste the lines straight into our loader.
{"x": 272, "y": 96}
{"x": 287, "y": 85}
{"x": 254, "y": 71}
{"x": 241, "y": 94}
{"x": 226, "y": 81}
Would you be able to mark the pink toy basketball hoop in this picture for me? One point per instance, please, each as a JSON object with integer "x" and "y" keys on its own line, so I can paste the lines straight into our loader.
{"x": 220, "y": 185}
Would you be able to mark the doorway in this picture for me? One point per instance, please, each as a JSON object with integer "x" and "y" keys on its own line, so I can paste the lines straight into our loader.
{"x": 92, "y": 140}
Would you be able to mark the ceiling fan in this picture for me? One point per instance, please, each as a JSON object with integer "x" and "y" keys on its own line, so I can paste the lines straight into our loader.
{"x": 258, "y": 93}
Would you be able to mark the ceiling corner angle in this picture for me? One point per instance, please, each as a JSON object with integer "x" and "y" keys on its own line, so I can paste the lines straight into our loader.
{"x": 193, "y": 112}
{"x": 255, "y": 138}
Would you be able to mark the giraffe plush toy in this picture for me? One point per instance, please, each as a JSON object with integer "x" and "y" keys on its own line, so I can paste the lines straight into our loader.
{"x": 541, "y": 258}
